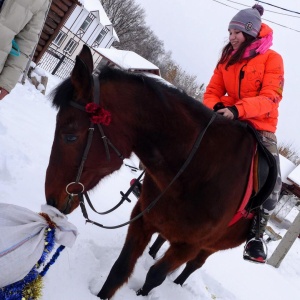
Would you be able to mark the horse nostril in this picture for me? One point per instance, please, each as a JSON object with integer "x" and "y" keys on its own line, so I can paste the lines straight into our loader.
{"x": 51, "y": 201}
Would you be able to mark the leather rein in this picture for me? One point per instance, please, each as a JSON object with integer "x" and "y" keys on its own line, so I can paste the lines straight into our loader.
{"x": 107, "y": 143}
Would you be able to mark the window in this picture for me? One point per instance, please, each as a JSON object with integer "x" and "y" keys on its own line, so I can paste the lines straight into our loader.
{"x": 100, "y": 37}
{"x": 59, "y": 38}
{"x": 86, "y": 23}
{"x": 70, "y": 47}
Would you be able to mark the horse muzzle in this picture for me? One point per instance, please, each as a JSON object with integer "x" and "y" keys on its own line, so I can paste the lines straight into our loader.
{"x": 69, "y": 203}
{"x": 66, "y": 205}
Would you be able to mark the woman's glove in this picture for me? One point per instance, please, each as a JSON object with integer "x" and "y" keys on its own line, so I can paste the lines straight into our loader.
{"x": 218, "y": 106}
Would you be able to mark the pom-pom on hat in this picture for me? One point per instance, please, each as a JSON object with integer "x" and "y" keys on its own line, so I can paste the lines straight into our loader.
{"x": 248, "y": 20}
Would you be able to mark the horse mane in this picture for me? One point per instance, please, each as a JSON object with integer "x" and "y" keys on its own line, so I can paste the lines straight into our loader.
{"x": 158, "y": 85}
{"x": 62, "y": 94}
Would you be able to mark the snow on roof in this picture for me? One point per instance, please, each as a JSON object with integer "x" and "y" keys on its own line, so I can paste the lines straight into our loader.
{"x": 115, "y": 35}
{"x": 294, "y": 176}
{"x": 126, "y": 60}
{"x": 95, "y": 5}
{"x": 286, "y": 167}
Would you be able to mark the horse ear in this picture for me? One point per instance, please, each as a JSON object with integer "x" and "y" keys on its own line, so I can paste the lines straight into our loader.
{"x": 86, "y": 56}
{"x": 81, "y": 74}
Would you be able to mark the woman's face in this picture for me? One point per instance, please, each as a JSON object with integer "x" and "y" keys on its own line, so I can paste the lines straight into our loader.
{"x": 236, "y": 38}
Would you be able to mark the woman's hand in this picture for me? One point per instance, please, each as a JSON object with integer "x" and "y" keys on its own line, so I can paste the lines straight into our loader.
{"x": 226, "y": 113}
{"x": 3, "y": 93}
{"x": 229, "y": 112}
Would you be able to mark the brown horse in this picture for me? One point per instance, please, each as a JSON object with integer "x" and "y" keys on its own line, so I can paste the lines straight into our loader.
{"x": 200, "y": 186}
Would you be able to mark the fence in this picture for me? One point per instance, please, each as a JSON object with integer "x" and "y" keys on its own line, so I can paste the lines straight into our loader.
{"x": 284, "y": 207}
{"x": 56, "y": 63}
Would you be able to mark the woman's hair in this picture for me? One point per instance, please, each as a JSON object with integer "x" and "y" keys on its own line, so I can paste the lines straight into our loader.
{"x": 238, "y": 55}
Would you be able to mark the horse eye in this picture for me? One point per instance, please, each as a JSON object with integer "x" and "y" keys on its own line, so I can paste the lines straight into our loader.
{"x": 70, "y": 138}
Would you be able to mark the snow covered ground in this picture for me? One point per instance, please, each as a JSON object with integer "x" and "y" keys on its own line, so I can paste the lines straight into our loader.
{"x": 27, "y": 123}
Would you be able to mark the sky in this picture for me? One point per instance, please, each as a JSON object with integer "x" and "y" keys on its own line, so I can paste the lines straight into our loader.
{"x": 27, "y": 124}
{"x": 195, "y": 31}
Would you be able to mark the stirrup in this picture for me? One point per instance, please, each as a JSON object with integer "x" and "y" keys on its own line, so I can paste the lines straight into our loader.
{"x": 258, "y": 260}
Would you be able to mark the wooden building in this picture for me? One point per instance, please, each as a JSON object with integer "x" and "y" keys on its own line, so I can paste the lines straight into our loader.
{"x": 68, "y": 26}
{"x": 58, "y": 13}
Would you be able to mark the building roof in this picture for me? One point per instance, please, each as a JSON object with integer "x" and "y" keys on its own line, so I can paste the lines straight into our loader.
{"x": 127, "y": 60}
{"x": 286, "y": 167}
{"x": 94, "y": 5}
{"x": 294, "y": 176}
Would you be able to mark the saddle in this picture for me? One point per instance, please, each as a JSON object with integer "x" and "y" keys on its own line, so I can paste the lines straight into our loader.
{"x": 264, "y": 173}
{"x": 262, "y": 179}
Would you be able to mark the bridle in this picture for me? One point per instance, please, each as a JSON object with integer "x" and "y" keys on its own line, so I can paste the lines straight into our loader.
{"x": 107, "y": 144}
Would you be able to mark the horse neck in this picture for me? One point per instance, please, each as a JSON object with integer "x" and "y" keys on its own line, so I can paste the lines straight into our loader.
{"x": 153, "y": 125}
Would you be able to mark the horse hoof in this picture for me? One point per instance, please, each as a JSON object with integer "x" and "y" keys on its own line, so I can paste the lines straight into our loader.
{"x": 140, "y": 292}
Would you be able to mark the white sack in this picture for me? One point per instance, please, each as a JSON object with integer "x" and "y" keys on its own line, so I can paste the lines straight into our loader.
{"x": 22, "y": 239}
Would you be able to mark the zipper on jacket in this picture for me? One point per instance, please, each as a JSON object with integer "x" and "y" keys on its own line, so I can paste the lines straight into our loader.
{"x": 241, "y": 76}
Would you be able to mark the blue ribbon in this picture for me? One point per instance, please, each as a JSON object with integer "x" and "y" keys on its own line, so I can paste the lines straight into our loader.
{"x": 15, "y": 290}
{"x": 15, "y": 50}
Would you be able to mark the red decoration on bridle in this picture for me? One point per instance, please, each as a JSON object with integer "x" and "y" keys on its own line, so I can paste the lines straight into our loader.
{"x": 99, "y": 115}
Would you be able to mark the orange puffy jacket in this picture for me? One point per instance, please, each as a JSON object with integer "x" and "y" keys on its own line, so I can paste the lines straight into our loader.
{"x": 254, "y": 86}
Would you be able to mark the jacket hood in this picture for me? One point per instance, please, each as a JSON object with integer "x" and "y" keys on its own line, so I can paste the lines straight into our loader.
{"x": 264, "y": 30}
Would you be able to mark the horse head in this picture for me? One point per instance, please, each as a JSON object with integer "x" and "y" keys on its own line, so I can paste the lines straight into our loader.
{"x": 80, "y": 145}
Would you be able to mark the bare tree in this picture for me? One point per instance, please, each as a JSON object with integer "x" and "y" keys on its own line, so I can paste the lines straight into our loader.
{"x": 288, "y": 151}
{"x": 173, "y": 73}
{"x": 150, "y": 47}
{"x": 128, "y": 19}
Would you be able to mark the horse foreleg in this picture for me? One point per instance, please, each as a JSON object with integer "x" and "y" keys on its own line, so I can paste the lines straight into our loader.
{"x": 136, "y": 242}
{"x": 156, "y": 246}
{"x": 192, "y": 266}
{"x": 176, "y": 255}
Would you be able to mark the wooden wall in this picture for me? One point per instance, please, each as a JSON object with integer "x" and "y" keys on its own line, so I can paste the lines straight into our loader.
{"x": 58, "y": 13}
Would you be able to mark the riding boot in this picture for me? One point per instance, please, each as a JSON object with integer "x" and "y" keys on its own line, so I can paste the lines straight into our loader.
{"x": 254, "y": 249}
